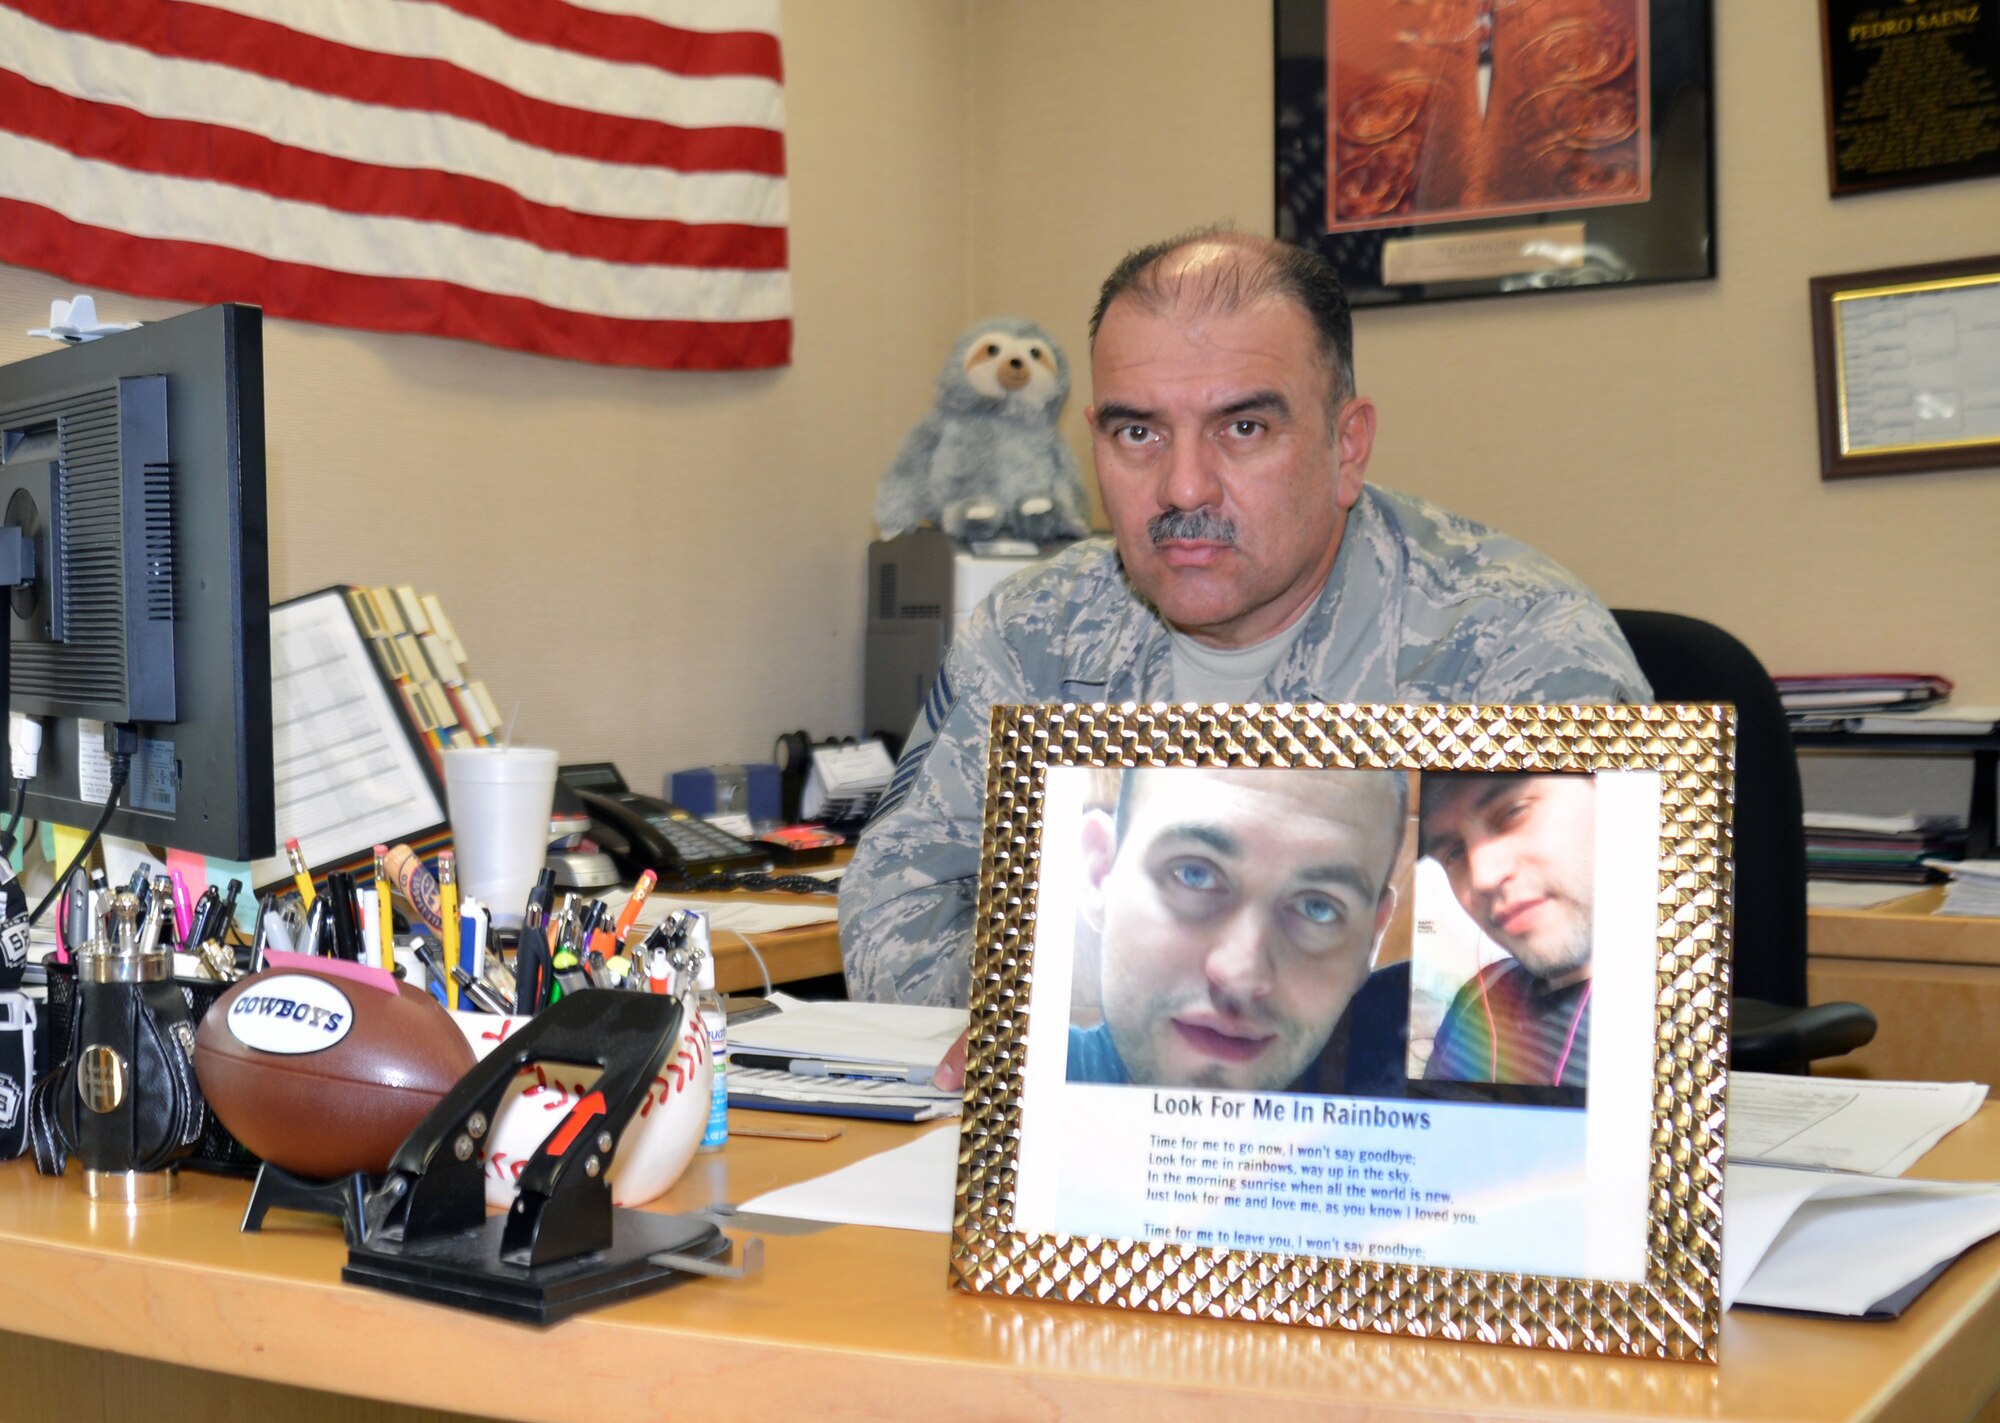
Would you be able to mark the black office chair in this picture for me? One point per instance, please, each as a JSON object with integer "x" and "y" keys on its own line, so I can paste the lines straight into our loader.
{"x": 1772, "y": 1029}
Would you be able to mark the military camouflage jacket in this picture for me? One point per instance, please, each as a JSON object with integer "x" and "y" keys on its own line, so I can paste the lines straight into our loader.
{"x": 1421, "y": 606}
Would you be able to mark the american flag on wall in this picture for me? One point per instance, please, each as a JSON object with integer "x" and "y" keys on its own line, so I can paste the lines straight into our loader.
{"x": 603, "y": 180}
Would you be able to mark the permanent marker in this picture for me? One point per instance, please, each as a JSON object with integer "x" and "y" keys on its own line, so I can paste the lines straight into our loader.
{"x": 341, "y": 909}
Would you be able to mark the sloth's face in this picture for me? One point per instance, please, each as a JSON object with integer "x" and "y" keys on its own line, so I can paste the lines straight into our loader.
{"x": 1016, "y": 368}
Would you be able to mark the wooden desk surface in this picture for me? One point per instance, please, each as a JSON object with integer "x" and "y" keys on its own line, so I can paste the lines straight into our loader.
{"x": 855, "y": 1323}
{"x": 1932, "y": 980}
{"x": 1908, "y": 928}
{"x": 810, "y": 951}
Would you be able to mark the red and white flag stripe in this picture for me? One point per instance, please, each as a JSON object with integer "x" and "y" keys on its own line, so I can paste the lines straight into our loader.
{"x": 601, "y": 180}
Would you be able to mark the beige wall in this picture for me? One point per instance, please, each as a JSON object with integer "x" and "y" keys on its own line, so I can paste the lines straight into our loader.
{"x": 663, "y": 569}
{"x": 666, "y": 569}
{"x": 1659, "y": 441}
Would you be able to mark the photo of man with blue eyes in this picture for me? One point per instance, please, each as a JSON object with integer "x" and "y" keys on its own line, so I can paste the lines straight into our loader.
{"x": 1236, "y": 913}
{"x": 1519, "y": 852}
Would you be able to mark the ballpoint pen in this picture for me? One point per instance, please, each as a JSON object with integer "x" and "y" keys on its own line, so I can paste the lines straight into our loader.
{"x": 480, "y": 992}
{"x": 156, "y": 916}
{"x": 313, "y": 938}
{"x": 562, "y": 929}
{"x": 259, "y": 933}
{"x": 301, "y": 874}
{"x": 437, "y": 980}
{"x": 99, "y": 898}
{"x": 594, "y": 932}
{"x": 532, "y": 970}
{"x": 203, "y": 916}
{"x": 447, "y": 880}
{"x": 539, "y": 900}
{"x": 227, "y": 918}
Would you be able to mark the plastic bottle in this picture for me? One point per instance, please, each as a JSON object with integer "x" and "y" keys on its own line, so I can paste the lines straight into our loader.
{"x": 715, "y": 1020}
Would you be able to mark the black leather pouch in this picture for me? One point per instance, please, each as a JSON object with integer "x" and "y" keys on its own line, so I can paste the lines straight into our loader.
{"x": 123, "y": 1096}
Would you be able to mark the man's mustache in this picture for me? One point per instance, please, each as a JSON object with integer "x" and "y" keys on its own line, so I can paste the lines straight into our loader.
{"x": 1197, "y": 525}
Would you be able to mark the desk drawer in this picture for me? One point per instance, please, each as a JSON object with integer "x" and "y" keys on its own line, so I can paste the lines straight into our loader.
{"x": 1939, "y": 1022}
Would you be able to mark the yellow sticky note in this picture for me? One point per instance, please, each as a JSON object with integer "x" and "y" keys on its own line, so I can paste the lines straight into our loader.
{"x": 68, "y": 840}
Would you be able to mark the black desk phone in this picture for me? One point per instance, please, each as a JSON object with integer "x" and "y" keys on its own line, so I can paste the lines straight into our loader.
{"x": 642, "y": 832}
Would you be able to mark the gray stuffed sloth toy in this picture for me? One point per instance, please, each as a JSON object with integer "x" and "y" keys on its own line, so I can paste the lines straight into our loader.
{"x": 987, "y": 462}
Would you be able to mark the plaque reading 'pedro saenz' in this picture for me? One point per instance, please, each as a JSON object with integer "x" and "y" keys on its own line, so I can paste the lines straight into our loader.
{"x": 1912, "y": 91}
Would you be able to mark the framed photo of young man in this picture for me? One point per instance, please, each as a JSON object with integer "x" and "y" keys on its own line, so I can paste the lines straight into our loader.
{"x": 1401, "y": 1019}
{"x": 1451, "y": 148}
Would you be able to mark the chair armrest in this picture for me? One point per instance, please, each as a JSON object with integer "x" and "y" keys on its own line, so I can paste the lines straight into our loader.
{"x": 1773, "y": 1037}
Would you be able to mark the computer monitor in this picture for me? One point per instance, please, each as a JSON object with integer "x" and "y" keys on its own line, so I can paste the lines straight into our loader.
{"x": 134, "y": 467}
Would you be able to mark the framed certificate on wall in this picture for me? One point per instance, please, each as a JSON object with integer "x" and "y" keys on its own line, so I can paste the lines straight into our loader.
{"x": 1908, "y": 362}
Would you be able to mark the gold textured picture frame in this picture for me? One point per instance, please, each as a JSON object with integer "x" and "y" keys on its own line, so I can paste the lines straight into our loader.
{"x": 1178, "y": 1181}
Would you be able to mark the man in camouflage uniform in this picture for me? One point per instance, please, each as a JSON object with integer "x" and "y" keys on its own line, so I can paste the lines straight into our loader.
{"x": 1249, "y": 562}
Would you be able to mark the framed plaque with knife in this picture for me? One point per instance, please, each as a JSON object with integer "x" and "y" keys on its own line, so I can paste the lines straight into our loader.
{"x": 1452, "y": 148}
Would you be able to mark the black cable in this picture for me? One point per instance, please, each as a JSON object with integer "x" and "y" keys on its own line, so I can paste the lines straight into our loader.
{"x": 14, "y": 822}
{"x": 121, "y": 771}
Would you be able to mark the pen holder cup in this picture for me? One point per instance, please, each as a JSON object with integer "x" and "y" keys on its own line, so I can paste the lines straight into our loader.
{"x": 216, "y": 1151}
{"x": 657, "y": 1145}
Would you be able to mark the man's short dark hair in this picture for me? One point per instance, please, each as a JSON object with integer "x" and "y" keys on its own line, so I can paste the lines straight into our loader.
{"x": 1437, "y": 790}
{"x": 1128, "y": 792}
{"x": 1263, "y": 267}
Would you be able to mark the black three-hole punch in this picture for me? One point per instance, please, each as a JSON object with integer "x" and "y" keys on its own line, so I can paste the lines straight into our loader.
{"x": 563, "y": 1247}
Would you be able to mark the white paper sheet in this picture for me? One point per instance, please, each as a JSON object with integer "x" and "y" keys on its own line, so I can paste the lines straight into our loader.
{"x": 1837, "y": 1244}
{"x": 900, "y": 1033}
{"x": 739, "y": 916}
{"x": 346, "y": 774}
{"x": 1880, "y": 1128}
{"x": 1794, "y": 1239}
{"x": 910, "y": 1188}
{"x": 1853, "y": 894}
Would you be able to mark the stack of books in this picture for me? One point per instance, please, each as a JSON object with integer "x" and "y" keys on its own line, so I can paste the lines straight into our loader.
{"x": 1831, "y": 701}
{"x": 1890, "y": 849}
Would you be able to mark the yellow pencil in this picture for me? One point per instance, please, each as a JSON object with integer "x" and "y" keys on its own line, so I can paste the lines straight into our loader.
{"x": 384, "y": 915}
{"x": 448, "y": 909}
{"x": 301, "y": 875}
